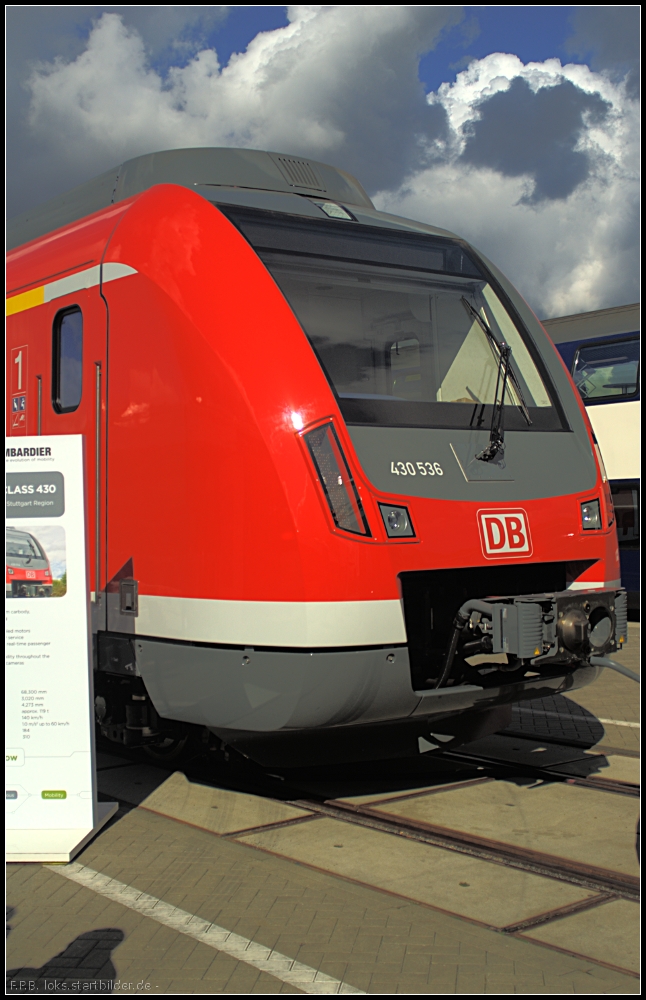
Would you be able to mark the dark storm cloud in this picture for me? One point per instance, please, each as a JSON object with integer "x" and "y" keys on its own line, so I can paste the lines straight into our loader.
{"x": 610, "y": 38}
{"x": 525, "y": 133}
{"x": 382, "y": 150}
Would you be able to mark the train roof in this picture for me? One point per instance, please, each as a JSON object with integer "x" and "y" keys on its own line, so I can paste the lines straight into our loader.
{"x": 590, "y": 325}
{"x": 242, "y": 170}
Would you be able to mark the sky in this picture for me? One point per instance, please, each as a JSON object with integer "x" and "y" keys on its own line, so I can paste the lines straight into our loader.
{"x": 515, "y": 127}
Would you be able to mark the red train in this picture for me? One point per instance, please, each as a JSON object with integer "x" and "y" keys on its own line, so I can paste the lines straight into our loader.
{"x": 344, "y": 500}
{"x": 28, "y": 570}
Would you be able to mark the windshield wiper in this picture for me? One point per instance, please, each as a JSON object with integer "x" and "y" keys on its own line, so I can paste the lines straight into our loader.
{"x": 497, "y": 432}
{"x": 496, "y": 348}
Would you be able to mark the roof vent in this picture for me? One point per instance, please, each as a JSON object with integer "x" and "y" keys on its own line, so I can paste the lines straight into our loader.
{"x": 299, "y": 173}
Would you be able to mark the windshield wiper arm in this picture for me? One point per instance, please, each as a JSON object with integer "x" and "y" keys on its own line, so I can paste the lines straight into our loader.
{"x": 497, "y": 432}
{"x": 493, "y": 343}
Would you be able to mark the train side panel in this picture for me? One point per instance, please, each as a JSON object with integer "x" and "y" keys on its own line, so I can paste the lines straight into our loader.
{"x": 55, "y": 273}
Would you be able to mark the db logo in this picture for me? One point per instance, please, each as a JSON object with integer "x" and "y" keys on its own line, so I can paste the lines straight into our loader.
{"x": 504, "y": 533}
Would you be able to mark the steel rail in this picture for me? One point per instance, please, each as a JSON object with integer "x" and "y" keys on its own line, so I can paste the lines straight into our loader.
{"x": 555, "y": 772}
{"x": 509, "y": 855}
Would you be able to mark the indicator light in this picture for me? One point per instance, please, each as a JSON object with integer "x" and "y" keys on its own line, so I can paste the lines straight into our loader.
{"x": 397, "y": 521}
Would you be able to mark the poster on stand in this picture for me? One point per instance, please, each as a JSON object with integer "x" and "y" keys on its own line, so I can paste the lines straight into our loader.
{"x": 51, "y": 800}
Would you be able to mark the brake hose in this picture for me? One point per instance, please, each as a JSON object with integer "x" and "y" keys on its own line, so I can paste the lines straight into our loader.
{"x": 459, "y": 622}
{"x": 603, "y": 661}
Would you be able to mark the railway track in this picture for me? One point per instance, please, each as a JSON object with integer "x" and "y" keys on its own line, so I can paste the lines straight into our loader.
{"x": 487, "y": 768}
{"x": 456, "y": 770}
{"x": 506, "y": 756}
{"x": 616, "y": 884}
{"x": 544, "y": 773}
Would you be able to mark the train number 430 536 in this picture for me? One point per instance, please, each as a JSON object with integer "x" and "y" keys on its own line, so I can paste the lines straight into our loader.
{"x": 413, "y": 468}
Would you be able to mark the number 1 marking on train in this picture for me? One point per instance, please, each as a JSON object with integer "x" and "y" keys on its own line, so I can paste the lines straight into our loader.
{"x": 19, "y": 356}
{"x": 18, "y": 361}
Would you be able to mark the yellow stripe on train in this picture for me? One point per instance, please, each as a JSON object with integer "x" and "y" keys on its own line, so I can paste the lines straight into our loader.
{"x": 26, "y": 300}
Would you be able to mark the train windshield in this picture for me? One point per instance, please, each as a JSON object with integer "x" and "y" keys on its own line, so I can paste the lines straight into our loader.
{"x": 406, "y": 326}
{"x": 407, "y": 348}
{"x": 23, "y": 550}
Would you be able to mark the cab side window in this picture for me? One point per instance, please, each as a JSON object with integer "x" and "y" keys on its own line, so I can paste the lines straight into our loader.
{"x": 67, "y": 374}
{"x": 608, "y": 371}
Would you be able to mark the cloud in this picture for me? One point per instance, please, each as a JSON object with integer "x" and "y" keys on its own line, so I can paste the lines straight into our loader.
{"x": 554, "y": 205}
{"x": 523, "y": 132}
{"x": 338, "y": 83}
{"x": 610, "y": 36}
{"x": 565, "y": 257}
{"x": 43, "y": 33}
{"x": 171, "y": 31}
{"x": 536, "y": 164}
{"x": 41, "y": 38}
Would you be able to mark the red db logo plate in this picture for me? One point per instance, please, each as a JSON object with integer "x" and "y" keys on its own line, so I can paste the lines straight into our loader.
{"x": 504, "y": 533}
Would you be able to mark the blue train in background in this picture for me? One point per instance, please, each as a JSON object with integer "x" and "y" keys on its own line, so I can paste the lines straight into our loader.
{"x": 601, "y": 351}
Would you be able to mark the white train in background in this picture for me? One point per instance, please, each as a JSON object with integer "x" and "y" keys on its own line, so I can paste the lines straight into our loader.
{"x": 601, "y": 351}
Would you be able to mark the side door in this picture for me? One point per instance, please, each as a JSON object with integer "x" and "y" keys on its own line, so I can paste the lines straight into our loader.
{"x": 57, "y": 361}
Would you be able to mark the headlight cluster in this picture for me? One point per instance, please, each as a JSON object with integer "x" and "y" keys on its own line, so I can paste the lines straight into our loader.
{"x": 340, "y": 490}
{"x": 591, "y": 515}
{"x": 336, "y": 479}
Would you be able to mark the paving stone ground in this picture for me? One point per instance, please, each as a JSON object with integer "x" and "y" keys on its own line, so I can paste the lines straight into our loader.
{"x": 616, "y": 697}
{"x": 373, "y": 940}
{"x": 367, "y": 938}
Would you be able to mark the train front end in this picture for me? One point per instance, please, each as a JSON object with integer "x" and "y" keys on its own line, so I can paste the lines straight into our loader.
{"x": 462, "y": 496}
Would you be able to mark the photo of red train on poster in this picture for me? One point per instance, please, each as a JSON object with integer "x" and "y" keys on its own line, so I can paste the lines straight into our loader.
{"x": 36, "y": 564}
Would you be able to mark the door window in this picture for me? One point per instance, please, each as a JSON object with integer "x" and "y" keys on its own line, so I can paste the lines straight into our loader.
{"x": 67, "y": 377}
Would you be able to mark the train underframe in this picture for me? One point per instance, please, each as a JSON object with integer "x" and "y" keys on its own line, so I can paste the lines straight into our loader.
{"x": 333, "y": 706}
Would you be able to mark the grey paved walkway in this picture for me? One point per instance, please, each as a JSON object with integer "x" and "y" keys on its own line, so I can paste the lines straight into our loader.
{"x": 331, "y": 895}
{"x": 369, "y": 939}
{"x": 617, "y": 697}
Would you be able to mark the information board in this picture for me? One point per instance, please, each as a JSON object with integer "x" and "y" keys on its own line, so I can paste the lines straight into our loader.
{"x": 51, "y": 801}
